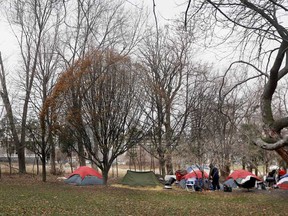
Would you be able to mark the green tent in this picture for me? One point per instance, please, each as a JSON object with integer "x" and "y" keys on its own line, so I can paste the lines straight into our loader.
{"x": 134, "y": 178}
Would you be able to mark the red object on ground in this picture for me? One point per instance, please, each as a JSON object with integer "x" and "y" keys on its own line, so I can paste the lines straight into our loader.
{"x": 84, "y": 171}
{"x": 242, "y": 174}
{"x": 196, "y": 174}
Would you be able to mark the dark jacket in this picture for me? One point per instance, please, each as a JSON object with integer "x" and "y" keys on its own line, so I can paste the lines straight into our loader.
{"x": 214, "y": 173}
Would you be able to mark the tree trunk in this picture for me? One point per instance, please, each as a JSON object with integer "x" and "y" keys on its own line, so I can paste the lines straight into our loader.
{"x": 43, "y": 168}
{"x": 105, "y": 171}
{"x": 162, "y": 166}
{"x": 105, "y": 176}
{"x": 37, "y": 166}
{"x": 52, "y": 157}
{"x": 225, "y": 171}
{"x": 8, "y": 108}
{"x": 283, "y": 152}
{"x": 81, "y": 153}
{"x": 169, "y": 165}
{"x": 243, "y": 163}
{"x": 21, "y": 158}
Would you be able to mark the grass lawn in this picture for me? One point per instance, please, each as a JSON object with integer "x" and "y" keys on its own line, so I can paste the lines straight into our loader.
{"x": 27, "y": 195}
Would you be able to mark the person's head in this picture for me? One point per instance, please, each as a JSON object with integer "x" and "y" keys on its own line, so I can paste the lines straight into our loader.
{"x": 211, "y": 166}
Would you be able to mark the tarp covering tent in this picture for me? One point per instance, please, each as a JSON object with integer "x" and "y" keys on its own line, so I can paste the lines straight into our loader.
{"x": 283, "y": 183}
{"x": 244, "y": 178}
{"x": 135, "y": 178}
{"x": 85, "y": 175}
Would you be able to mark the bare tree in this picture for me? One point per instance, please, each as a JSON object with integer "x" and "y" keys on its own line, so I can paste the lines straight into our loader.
{"x": 107, "y": 119}
{"x": 256, "y": 25}
{"x": 98, "y": 24}
{"x": 165, "y": 57}
{"x": 199, "y": 130}
{"x": 29, "y": 21}
{"x": 39, "y": 128}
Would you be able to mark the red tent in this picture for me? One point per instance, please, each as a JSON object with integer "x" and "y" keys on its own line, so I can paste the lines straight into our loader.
{"x": 196, "y": 174}
{"x": 86, "y": 171}
{"x": 244, "y": 178}
{"x": 242, "y": 174}
{"x": 283, "y": 183}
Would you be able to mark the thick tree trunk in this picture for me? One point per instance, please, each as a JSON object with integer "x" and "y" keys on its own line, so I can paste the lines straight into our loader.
{"x": 105, "y": 176}
{"x": 105, "y": 172}
{"x": 21, "y": 158}
{"x": 283, "y": 152}
{"x": 44, "y": 174}
{"x": 5, "y": 97}
{"x": 53, "y": 157}
{"x": 169, "y": 165}
{"x": 225, "y": 171}
{"x": 81, "y": 153}
{"x": 162, "y": 166}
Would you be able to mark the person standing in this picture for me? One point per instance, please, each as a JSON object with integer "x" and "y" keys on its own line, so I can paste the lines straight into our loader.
{"x": 214, "y": 175}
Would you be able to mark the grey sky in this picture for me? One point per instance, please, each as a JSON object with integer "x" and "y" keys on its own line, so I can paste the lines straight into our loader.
{"x": 165, "y": 9}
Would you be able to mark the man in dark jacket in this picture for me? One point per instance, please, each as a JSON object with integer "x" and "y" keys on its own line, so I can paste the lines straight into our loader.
{"x": 214, "y": 175}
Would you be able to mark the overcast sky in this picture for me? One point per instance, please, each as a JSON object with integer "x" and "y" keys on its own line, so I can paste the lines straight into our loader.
{"x": 166, "y": 9}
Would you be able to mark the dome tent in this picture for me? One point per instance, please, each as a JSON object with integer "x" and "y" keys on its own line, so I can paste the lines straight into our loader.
{"x": 244, "y": 178}
{"x": 85, "y": 175}
{"x": 135, "y": 178}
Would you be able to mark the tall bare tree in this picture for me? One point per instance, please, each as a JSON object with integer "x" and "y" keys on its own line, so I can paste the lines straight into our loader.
{"x": 45, "y": 78}
{"x": 261, "y": 37}
{"x": 165, "y": 56}
{"x": 29, "y": 21}
{"x": 93, "y": 24}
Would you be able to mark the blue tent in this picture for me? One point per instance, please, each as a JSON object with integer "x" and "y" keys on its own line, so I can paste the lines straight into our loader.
{"x": 230, "y": 183}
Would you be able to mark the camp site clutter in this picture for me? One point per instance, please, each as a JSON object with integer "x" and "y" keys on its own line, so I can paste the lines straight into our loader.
{"x": 198, "y": 178}
{"x": 193, "y": 178}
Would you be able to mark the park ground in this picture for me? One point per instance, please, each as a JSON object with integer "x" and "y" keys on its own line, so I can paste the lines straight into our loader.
{"x": 28, "y": 195}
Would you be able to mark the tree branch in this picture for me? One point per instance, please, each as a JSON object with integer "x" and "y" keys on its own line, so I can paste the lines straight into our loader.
{"x": 271, "y": 146}
{"x": 279, "y": 5}
{"x": 261, "y": 73}
{"x": 186, "y": 14}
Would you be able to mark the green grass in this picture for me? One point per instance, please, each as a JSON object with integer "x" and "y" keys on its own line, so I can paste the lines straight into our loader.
{"x": 30, "y": 196}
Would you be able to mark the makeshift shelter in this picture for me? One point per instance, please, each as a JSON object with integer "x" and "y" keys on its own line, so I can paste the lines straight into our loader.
{"x": 244, "y": 178}
{"x": 85, "y": 175}
{"x": 135, "y": 178}
{"x": 283, "y": 183}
